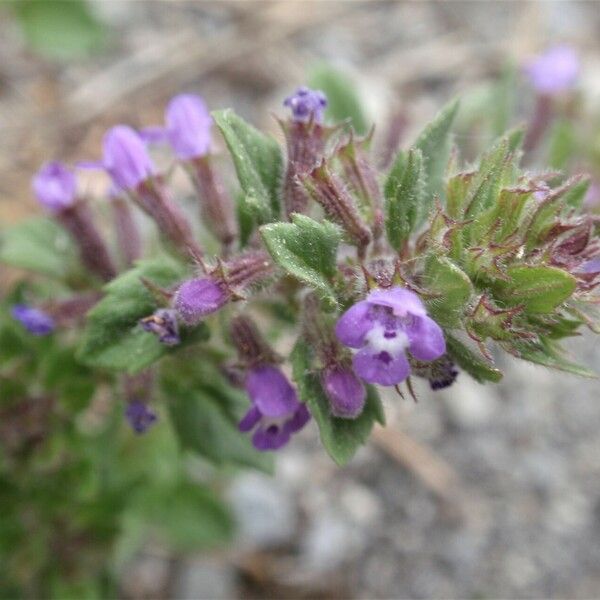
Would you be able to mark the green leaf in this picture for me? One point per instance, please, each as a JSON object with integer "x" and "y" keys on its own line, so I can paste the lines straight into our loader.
{"x": 39, "y": 245}
{"x": 547, "y": 210}
{"x": 575, "y": 196}
{"x": 562, "y": 144}
{"x": 258, "y": 163}
{"x": 503, "y": 99}
{"x": 479, "y": 368}
{"x": 452, "y": 287}
{"x": 434, "y": 143}
{"x": 113, "y": 338}
{"x": 60, "y": 30}
{"x": 343, "y": 101}
{"x": 340, "y": 437}
{"x": 539, "y": 289}
{"x": 489, "y": 180}
{"x": 205, "y": 412}
{"x": 549, "y": 354}
{"x": 404, "y": 196}
{"x": 188, "y": 516}
{"x": 306, "y": 249}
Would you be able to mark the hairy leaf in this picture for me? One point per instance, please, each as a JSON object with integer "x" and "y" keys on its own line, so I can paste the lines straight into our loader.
{"x": 258, "y": 162}
{"x": 405, "y": 190}
{"x": 306, "y": 249}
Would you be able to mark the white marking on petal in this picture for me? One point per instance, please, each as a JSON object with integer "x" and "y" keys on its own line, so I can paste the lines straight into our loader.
{"x": 392, "y": 345}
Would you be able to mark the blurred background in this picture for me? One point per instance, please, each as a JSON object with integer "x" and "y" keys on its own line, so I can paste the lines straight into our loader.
{"x": 474, "y": 492}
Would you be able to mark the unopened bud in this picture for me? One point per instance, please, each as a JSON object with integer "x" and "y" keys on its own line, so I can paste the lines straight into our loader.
{"x": 345, "y": 392}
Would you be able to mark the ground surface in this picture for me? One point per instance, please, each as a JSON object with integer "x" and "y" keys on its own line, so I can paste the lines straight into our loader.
{"x": 478, "y": 491}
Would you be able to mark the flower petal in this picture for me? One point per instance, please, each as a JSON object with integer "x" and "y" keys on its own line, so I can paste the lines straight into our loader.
{"x": 299, "y": 420}
{"x": 354, "y": 324}
{"x": 271, "y": 437}
{"x": 379, "y": 367}
{"x": 271, "y": 392}
{"x": 250, "y": 419}
{"x": 402, "y": 301}
{"x": 426, "y": 339}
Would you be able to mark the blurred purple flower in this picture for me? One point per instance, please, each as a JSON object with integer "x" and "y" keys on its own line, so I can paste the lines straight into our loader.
{"x": 188, "y": 126}
{"x": 140, "y": 416}
{"x": 554, "y": 71}
{"x": 163, "y": 324}
{"x": 126, "y": 158}
{"x": 306, "y": 104}
{"x": 275, "y": 413}
{"x": 36, "y": 321}
{"x": 55, "y": 187}
{"x": 382, "y": 328}
{"x": 197, "y": 298}
{"x": 345, "y": 391}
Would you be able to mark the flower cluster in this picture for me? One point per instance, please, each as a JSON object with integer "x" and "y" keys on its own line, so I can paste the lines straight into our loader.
{"x": 380, "y": 278}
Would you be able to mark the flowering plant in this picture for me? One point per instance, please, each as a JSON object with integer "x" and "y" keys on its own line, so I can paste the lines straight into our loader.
{"x": 379, "y": 276}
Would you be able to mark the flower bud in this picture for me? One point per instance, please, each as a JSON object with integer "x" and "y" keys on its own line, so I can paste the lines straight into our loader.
{"x": 163, "y": 324}
{"x": 36, "y": 321}
{"x": 188, "y": 125}
{"x": 197, "y": 298}
{"x": 306, "y": 105}
{"x": 55, "y": 187}
{"x": 126, "y": 158}
{"x": 305, "y": 140}
{"x": 345, "y": 392}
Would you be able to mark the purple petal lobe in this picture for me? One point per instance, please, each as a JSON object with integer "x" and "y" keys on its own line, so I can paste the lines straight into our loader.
{"x": 250, "y": 419}
{"x": 345, "y": 392}
{"x": 271, "y": 392}
{"x": 54, "y": 186}
{"x": 426, "y": 339}
{"x": 126, "y": 158}
{"x": 36, "y": 321}
{"x": 197, "y": 298}
{"x": 403, "y": 302}
{"x": 271, "y": 437}
{"x": 188, "y": 126}
{"x": 354, "y": 324}
{"x": 379, "y": 367}
{"x": 299, "y": 420}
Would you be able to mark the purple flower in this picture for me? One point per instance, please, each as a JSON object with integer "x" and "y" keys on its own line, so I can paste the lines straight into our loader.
{"x": 306, "y": 104}
{"x": 554, "y": 71}
{"x": 382, "y": 328}
{"x": 345, "y": 392}
{"x": 140, "y": 416}
{"x": 34, "y": 320}
{"x": 197, "y": 298}
{"x": 163, "y": 323}
{"x": 188, "y": 126}
{"x": 276, "y": 412}
{"x": 126, "y": 158}
{"x": 55, "y": 187}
